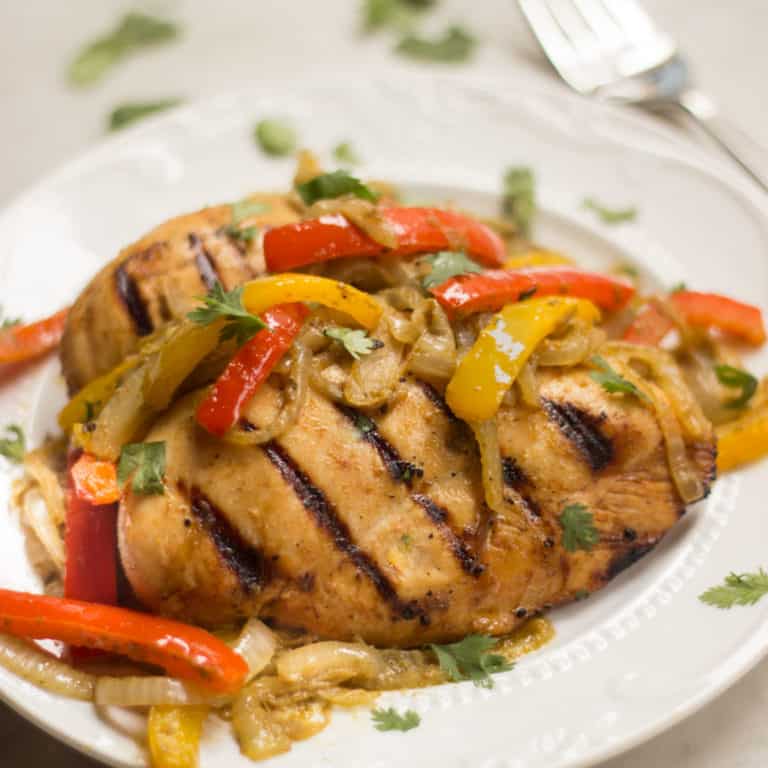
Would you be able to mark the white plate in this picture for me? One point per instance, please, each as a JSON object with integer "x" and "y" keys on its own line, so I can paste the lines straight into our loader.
{"x": 633, "y": 659}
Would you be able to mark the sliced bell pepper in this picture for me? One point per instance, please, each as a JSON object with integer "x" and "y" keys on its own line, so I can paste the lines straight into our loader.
{"x": 26, "y": 342}
{"x": 290, "y": 287}
{"x": 489, "y": 369}
{"x": 489, "y": 291}
{"x": 418, "y": 230}
{"x": 710, "y": 310}
{"x": 744, "y": 440}
{"x": 536, "y": 257}
{"x": 248, "y": 369}
{"x": 173, "y": 736}
{"x": 95, "y": 481}
{"x": 649, "y": 327}
{"x": 183, "y": 651}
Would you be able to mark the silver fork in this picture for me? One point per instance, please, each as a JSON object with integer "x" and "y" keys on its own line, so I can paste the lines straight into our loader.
{"x": 612, "y": 49}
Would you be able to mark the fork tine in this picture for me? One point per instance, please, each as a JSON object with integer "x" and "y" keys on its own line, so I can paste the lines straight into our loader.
{"x": 548, "y": 32}
{"x": 631, "y": 18}
{"x": 574, "y": 27}
{"x": 607, "y": 32}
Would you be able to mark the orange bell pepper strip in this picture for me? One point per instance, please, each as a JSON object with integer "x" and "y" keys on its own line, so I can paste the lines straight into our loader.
{"x": 184, "y": 651}
{"x": 250, "y": 367}
{"x": 710, "y": 310}
{"x": 491, "y": 290}
{"x": 649, "y": 327}
{"x": 418, "y": 230}
{"x": 26, "y": 342}
{"x": 95, "y": 481}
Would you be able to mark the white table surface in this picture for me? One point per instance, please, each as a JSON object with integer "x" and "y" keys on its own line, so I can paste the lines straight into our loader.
{"x": 227, "y": 42}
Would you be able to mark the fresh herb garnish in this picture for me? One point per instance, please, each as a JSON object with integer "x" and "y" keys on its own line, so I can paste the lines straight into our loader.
{"x": 13, "y": 448}
{"x": 581, "y": 594}
{"x": 455, "y": 45}
{"x": 275, "y": 137}
{"x": 610, "y": 215}
{"x": 628, "y": 269}
{"x": 677, "y": 287}
{"x": 356, "y": 342}
{"x": 135, "y": 31}
{"x": 363, "y": 423}
{"x": 406, "y": 540}
{"x": 9, "y": 322}
{"x": 519, "y": 198}
{"x": 146, "y": 461}
{"x": 242, "y": 210}
{"x": 612, "y": 382}
{"x": 397, "y": 14}
{"x": 391, "y": 720}
{"x": 331, "y": 185}
{"x": 447, "y": 264}
{"x": 126, "y": 114}
{"x": 738, "y": 589}
{"x": 735, "y": 377}
{"x": 470, "y": 659}
{"x": 345, "y": 153}
{"x": 579, "y": 531}
{"x": 241, "y": 325}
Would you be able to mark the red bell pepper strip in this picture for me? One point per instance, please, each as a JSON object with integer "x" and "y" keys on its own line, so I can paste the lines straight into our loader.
{"x": 248, "y": 369}
{"x": 418, "y": 230}
{"x": 710, "y": 310}
{"x": 649, "y": 327}
{"x": 25, "y": 342}
{"x": 95, "y": 481}
{"x": 183, "y": 651}
{"x": 489, "y": 291}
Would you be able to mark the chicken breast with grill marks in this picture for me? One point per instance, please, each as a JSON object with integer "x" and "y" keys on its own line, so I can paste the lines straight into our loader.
{"x": 382, "y": 532}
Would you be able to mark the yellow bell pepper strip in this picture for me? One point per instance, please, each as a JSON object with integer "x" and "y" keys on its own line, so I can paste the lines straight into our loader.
{"x": 536, "y": 257}
{"x": 744, "y": 440}
{"x": 290, "y": 287}
{"x": 503, "y": 347}
{"x": 173, "y": 735}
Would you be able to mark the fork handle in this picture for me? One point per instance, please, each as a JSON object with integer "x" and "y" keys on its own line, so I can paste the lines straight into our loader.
{"x": 702, "y": 110}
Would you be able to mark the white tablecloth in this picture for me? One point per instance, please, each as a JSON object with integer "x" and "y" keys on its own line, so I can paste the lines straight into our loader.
{"x": 228, "y": 42}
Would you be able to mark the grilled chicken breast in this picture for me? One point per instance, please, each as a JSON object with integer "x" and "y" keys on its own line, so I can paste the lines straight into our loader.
{"x": 375, "y": 526}
{"x": 157, "y": 279}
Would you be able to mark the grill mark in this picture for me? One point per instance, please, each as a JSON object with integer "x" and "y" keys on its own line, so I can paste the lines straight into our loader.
{"x": 247, "y": 563}
{"x": 325, "y": 515}
{"x": 203, "y": 261}
{"x": 439, "y": 516}
{"x": 129, "y": 294}
{"x": 581, "y": 430}
{"x": 512, "y": 473}
{"x": 400, "y": 470}
{"x": 625, "y": 558}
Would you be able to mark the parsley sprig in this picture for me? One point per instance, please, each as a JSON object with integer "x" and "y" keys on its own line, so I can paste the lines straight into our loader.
{"x": 471, "y": 659}
{"x": 345, "y": 153}
{"x": 738, "y": 589}
{"x": 447, "y": 264}
{"x": 737, "y": 378}
{"x": 13, "y": 446}
{"x": 146, "y": 462}
{"x": 578, "y": 526}
{"x": 240, "y": 324}
{"x": 610, "y": 215}
{"x": 358, "y": 343}
{"x": 519, "y": 198}
{"x": 128, "y": 113}
{"x": 332, "y": 185}
{"x": 391, "y": 720}
{"x": 456, "y": 44}
{"x": 613, "y": 382}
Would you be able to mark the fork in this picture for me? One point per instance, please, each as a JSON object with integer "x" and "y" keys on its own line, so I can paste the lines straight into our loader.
{"x": 613, "y": 50}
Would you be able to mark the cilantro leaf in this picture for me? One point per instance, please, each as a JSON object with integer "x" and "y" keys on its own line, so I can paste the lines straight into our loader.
{"x": 470, "y": 659}
{"x": 356, "y": 342}
{"x": 275, "y": 137}
{"x": 578, "y": 527}
{"x": 146, "y": 461}
{"x": 242, "y": 210}
{"x": 391, "y": 720}
{"x": 345, "y": 153}
{"x": 336, "y": 184}
{"x": 241, "y": 325}
{"x": 738, "y": 589}
{"x": 13, "y": 448}
{"x": 610, "y": 215}
{"x": 447, "y": 264}
{"x": 612, "y": 382}
{"x": 455, "y": 45}
{"x": 129, "y": 113}
{"x": 397, "y": 14}
{"x": 135, "y": 31}
{"x": 9, "y": 322}
{"x": 735, "y": 377}
{"x": 519, "y": 200}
